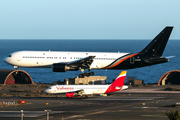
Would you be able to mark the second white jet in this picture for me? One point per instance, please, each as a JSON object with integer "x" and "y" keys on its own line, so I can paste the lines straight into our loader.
{"x": 85, "y": 90}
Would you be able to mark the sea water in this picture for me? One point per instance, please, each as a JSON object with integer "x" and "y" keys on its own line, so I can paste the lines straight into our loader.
{"x": 150, "y": 74}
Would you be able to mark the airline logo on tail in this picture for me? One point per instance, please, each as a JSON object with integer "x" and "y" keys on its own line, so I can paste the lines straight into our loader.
{"x": 118, "y": 83}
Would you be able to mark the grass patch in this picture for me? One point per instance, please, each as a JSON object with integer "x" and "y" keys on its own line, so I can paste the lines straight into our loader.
{"x": 172, "y": 89}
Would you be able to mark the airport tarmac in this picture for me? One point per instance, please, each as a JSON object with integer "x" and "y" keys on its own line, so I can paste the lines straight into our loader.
{"x": 136, "y": 103}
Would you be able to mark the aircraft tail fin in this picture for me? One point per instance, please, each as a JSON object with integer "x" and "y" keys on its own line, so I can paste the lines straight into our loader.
{"x": 157, "y": 45}
{"x": 118, "y": 83}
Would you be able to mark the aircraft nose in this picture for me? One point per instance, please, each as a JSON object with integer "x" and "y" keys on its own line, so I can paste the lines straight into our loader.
{"x": 47, "y": 90}
{"x": 6, "y": 60}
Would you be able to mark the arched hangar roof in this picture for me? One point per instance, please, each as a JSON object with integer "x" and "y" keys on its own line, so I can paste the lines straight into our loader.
{"x": 170, "y": 77}
{"x": 14, "y": 77}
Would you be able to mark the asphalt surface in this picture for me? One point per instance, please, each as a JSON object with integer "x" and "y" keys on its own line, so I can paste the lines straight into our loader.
{"x": 146, "y": 103}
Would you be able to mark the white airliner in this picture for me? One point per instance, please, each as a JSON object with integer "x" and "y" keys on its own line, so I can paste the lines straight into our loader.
{"x": 84, "y": 90}
{"x": 61, "y": 61}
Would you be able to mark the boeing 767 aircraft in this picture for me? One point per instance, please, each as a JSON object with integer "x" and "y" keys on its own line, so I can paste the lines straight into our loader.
{"x": 84, "y": 90}
{"x": 61, "y": 61}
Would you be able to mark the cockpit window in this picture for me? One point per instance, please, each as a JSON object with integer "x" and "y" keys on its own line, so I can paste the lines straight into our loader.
{"x": 9, "y": 55}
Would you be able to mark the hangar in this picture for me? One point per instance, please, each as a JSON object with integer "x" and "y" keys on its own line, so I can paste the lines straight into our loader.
{"x": 14, "y": 77}
{"x": 171, "y": 77}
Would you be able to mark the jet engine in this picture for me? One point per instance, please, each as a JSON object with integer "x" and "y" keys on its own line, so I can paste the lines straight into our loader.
{"x": 70, "y": 94}
{"x": 62, "y": 67}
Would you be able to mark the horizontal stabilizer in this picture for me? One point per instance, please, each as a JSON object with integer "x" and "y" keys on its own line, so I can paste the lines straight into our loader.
{"x": 168, "y": 57}
{"x": 156, "y": 60}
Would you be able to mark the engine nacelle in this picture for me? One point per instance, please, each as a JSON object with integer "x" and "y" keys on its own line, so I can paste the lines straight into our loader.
{"x": 70, "y": 94}
{"x": 62, "y": 67}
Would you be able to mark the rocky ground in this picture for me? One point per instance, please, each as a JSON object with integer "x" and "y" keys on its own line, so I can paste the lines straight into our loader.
{"x": 25, "y": 90}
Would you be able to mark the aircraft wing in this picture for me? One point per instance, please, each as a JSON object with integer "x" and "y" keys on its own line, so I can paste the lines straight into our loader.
{"x": 83, "y": 63}
{"x": 82, "y": 92}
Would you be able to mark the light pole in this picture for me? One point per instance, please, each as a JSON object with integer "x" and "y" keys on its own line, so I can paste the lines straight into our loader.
{"x": 22, "y": 114}
{"x": 47, "y": 113}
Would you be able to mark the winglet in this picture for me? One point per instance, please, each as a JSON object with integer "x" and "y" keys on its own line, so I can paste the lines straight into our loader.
{"x": 118, "y": 83}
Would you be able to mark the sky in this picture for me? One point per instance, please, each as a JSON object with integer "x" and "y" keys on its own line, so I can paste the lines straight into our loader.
{"x": 88, "y": 19}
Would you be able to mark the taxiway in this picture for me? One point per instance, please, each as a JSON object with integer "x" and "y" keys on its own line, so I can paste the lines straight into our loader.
{"x": 126, "y": 105}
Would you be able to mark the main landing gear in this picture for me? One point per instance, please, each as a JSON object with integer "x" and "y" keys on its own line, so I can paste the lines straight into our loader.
{"x": 86, "y": 74}
{"x": 85, "y": 96}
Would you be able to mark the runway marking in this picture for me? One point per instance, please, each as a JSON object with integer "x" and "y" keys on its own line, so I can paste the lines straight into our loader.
{"x": 122, "y": 99}
{"x": 154, "y": 116}
{"x": 92, "y": 111}
{"x": 26, "y": 113}
{"x": 123, "y": 110}
{"x": 145, "y": 107}
{"x": 75, "y": 116}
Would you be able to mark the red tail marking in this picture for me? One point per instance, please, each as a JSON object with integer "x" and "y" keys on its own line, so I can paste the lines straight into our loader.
{"x": 118, "y": 83}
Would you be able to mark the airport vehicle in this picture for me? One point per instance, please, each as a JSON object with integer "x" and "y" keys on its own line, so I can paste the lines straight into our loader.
{"x": 61, "y": 61}
{"x": 84, "y": 90}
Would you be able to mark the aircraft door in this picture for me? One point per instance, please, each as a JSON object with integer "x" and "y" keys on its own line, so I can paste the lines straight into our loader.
{"x": 132, "y": 60}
